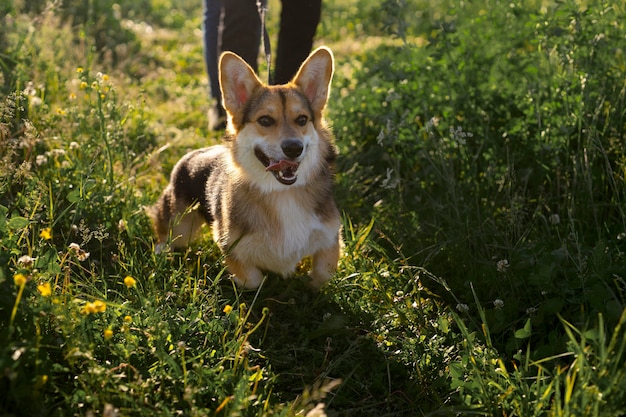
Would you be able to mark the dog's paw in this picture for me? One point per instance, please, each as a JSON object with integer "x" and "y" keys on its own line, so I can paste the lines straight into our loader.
{"x": 160, "y": 248}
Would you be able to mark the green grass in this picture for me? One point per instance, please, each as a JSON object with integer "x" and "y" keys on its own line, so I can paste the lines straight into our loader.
{"x": 482, "y": 179}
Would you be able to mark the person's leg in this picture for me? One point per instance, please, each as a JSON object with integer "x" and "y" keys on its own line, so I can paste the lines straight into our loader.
{"x": 210, "y": 25}
{"x": 298, "y": 23}
{"x": 240, "y": 30}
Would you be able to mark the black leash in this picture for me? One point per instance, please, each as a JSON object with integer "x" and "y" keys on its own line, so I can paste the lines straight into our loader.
{"x": 262, "y": 8}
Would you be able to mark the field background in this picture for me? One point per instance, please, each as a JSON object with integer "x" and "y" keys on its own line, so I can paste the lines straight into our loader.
{"x": 482, "y": 179}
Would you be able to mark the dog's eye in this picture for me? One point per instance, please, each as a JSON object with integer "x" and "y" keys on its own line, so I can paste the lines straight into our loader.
{"x": 302, "y": 120}
{"x": 265, "y": 121}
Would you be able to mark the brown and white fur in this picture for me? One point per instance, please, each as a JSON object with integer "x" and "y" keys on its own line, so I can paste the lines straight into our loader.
{"x": 266, "y": 193}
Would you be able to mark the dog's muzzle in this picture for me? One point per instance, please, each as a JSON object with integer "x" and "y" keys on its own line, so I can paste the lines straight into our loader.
{"x": 284, "y": 170}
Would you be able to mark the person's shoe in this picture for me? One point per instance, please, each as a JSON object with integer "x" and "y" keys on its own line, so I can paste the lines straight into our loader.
{"x": 217, "y": 117}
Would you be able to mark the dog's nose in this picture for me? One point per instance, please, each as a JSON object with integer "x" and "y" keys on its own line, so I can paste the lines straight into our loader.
{"x": 292, "y": 148}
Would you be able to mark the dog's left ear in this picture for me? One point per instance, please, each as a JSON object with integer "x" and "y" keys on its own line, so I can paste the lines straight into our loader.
{"x": 237, "y": 81}
{"x": 314, "y": 77}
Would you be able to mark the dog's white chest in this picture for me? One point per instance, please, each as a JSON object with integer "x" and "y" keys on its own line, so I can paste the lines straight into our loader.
{"x": 294, "y": 233}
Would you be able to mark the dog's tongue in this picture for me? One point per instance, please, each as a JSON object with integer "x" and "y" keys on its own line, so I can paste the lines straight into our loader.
{"x": 281, "y": 165}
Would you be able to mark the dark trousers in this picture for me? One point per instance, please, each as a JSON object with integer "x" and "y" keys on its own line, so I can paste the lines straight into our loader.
{"x": 235, "y": 25}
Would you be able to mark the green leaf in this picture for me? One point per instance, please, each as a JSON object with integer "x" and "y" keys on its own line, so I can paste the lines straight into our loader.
{"x": 18, "y": 222}
{"x": 525, "y": 332}
{"x": 73, "y": 196}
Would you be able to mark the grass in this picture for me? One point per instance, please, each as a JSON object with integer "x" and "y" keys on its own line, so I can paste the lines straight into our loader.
{"x": 481, "y": 177}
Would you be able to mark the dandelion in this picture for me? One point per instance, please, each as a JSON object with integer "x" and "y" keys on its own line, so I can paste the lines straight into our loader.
{"x": 83, "y": 85}
{"x": 130, "y": 282}
{"x": 88, "y": 308}
{"x": 45, "y": 289}
{"x": 108, "y": 333}
{"x": 228, "y": 308}
{"x": 498, "y": 304}
{"x": 95, "y": 307}
{"x": 46, "y": 233}
{"x": 502, "y": 265}
{"x": 25, "y": 261}
{"x": 80, "y": 253}
{"x": 105, "y": 77}
{"x": 20, "y": 279}
{"x": 463, "y": 308}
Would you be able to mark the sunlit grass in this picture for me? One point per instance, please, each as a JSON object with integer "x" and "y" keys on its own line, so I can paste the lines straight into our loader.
{"x": 481, "y": 176}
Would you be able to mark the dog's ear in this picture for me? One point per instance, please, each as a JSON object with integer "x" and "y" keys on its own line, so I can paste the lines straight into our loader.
{"x": 314, "y": 77}
{"x": 237, "y": 82}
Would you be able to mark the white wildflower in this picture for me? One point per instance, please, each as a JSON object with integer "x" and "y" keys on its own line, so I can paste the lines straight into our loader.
{"x": 26, "y": 261}
{"x": 41, "y": 159}
{"x": 503, "y": 265}
{"x": 463, "y": 308}
{"x": 80, "y": 253}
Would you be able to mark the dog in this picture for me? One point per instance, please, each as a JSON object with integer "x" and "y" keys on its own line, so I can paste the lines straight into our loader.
{"x": 267, "y": 193}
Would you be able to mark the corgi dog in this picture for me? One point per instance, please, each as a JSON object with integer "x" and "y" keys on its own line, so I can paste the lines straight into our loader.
{"x": 267, "y": 193}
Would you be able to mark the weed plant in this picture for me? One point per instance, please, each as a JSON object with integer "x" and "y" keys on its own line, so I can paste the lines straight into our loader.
{"x": 482, "y": 175}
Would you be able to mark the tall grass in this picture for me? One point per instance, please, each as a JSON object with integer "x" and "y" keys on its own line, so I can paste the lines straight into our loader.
{"x": 481, "y": 175}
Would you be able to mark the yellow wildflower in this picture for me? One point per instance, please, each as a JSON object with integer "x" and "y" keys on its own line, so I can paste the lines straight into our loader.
{"x": 79, "y": 70}
{"x": 100, "y": 306}
{"x": 228, "y": 308}
{"x": 19, "y": 279}
{"x": 46, "y": 234}
{"x": 45, "y": 289}
{"x": 108, "y": 333}
{"x": 83, "y": 85}
{"x": 130, "y": 282}
{"x": 88, "y": 308}
{"x": 128, "y": 319}
{"x": 95, "y": 307}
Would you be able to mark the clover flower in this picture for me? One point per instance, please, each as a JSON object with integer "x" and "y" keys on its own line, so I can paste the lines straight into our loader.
{"x": 498, "y": 304}
{"x": 502, "y": 265}
{"x": 463, "y": 308}
{"x": 80, "y": 253}
{"x": 25, "y": 261}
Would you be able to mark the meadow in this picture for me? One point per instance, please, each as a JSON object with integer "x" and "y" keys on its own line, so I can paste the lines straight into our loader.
{"x": 482, "y": 180}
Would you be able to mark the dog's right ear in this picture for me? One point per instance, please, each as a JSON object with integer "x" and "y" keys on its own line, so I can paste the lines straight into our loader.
{"x": 237, "y": 82}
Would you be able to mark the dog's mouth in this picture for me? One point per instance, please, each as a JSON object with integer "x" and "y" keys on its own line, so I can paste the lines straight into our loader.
{"x": 284, "y": 171}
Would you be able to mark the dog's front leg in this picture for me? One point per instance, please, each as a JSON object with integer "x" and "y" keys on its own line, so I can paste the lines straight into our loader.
{"x": 324, "y": 265}
{"x": 244, "y": 275}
